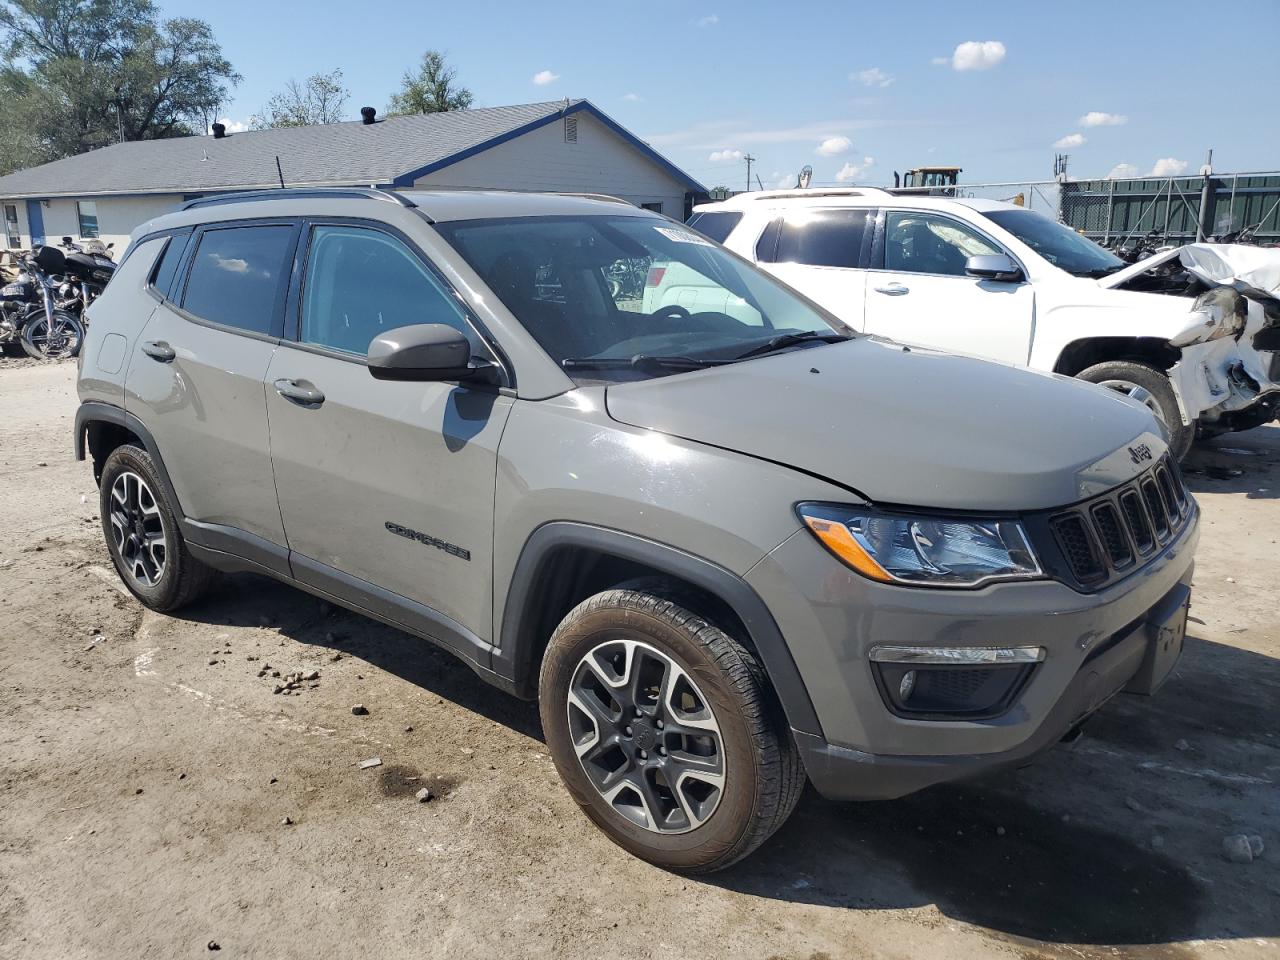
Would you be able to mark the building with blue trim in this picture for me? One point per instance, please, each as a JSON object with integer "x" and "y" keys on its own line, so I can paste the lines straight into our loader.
{"x": 559, "y": 146}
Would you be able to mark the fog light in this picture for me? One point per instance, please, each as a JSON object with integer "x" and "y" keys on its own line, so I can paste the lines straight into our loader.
{"x": 906, "y": 685}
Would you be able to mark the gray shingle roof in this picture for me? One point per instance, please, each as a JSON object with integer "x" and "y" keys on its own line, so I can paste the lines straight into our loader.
{"x": 337, "y": 153}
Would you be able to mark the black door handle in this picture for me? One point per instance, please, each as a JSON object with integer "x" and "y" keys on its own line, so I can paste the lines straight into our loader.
{"x": 159, "y": 350}
{"x": 293, "y": 390}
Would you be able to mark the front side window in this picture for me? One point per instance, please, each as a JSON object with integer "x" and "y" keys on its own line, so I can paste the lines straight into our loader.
{"x": 633, "y": 295}
{"x": 12, "y": 234}
{"x": 239, "y": 274}
{"x": 1057, "y": 243}
{"x": 87, "y": 211}
{"x": 926, "y": 243}
{"x": 360, "y": 283}
{"x": 822, "y": 238}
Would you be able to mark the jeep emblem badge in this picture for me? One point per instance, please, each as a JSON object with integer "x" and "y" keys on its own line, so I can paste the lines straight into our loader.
{"x": 1140, "y": 453}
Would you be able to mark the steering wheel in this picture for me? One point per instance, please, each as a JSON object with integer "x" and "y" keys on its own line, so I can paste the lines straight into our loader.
{"x": 672, "y": 311}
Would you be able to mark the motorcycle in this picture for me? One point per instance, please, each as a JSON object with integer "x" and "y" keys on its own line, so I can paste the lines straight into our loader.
{"x": 29, "y": 310}
{"x": 89, "y": 268}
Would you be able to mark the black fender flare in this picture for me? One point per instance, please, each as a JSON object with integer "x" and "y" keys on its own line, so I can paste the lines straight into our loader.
{"x": 514, "y": 656}
{"x": 95, "y": 411}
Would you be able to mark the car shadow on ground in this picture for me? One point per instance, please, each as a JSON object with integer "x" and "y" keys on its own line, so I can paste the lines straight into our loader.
{"x": 1054, "y": 853}
{"x": 1236, "y": 463}
{"x": 998, "y": 852}
{"x": 246, "y": 600}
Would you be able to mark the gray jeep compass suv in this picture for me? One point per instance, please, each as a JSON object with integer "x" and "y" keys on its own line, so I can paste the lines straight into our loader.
{"x": 726, "y": 549}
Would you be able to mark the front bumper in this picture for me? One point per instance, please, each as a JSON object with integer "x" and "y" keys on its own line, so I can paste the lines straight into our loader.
{"x": 1095, "y": 644}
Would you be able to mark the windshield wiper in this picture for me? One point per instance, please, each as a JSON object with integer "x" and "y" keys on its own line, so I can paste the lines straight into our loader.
{"x": 638, "y": 362}
{"x": 787, "y": 339}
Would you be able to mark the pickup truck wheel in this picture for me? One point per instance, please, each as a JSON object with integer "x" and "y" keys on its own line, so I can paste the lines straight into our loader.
{"x": 142, "y": 533}
{"x": 662, "y": 727}
{"x": 1150, "y": 387}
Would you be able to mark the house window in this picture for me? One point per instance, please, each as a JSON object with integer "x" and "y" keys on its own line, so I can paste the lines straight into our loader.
{"x": 87, "y": 210}
{"x": 570, "y": 129}
{"x": 12, "y": 235}
{"x": 656, "y": 206}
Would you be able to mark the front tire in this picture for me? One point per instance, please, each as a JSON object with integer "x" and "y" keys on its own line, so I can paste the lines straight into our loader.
{"x": 664, "y": 730}
{"x": 1150, "y": 387}
{"x": 52, "y": 341}
{"x": 141, "y": 530}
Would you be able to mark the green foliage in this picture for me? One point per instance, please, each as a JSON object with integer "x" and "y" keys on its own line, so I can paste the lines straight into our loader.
{"x": 79, "y": 74}
{"x": 320, "y": 99}
{"x": 431, "y": 89}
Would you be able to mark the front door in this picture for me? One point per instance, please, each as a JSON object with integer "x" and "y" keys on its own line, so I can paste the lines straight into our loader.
{"x": 382, "y": 484}
{"x": 196, "y": 376}
{"x": 917, "y": 291}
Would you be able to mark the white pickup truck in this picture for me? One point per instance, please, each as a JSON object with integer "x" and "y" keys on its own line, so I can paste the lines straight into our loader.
{"x": 1193, "y": 333}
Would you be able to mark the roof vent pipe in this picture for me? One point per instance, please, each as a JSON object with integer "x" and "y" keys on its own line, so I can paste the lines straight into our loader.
{"x": 367, "y": 114}
{"x": 219, "y": 131}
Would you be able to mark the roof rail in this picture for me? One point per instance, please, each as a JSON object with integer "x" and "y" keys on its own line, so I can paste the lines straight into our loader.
{"x": 300, "y": 193}
{"x": 606, "y": 197}
{"x": 812, "y": 192}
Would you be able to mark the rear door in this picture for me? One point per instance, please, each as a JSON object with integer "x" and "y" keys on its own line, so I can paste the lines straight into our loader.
{"x": 383, "y": 485}
{"x": 196, "y": 377}
{"x": 917, "y": 290}
{"x": 822, "y": 253}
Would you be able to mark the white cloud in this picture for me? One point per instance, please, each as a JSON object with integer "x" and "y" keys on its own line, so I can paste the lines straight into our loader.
{"x": 725, "y": 156}
{"x": 1096, "y": 118}
{"x": 872, "y": 77}
{"x": 1122, "y": 170}
{"x": 783, "y": 181}
{"x": 633, "y": 97}
{"x": 709, "y": 21}
{"x": 977, "y": 55}
{"x": 834, "y": 146}
{"x": 233, "y": 126}
{"x": 1169, "y": 167}
{"x": 1070, "y": 140}
{"x": 854, "y": 171}
{"x": 544, "y": 77}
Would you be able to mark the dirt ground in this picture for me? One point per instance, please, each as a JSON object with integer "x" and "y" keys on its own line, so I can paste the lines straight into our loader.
{"x": 148, "y": 772}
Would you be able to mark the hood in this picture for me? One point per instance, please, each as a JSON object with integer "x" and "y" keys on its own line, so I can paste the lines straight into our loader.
{"x": 914, "y": 428}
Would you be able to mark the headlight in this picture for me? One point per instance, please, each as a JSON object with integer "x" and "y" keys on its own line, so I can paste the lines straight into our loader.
{"x": 921, "y": 550}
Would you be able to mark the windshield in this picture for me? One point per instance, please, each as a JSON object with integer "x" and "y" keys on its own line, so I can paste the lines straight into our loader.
{"x": 1058, "y": 244}
{"x": 633, "y": 297}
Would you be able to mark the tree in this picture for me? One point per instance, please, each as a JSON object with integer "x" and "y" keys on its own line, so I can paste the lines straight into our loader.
{"x": 79, "y": 74}
{"x": 432, "y": 89}
{"x": 321, "y": 99}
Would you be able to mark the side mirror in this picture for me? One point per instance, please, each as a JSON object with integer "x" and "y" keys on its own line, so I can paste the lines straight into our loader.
{"x": 993, "y": 266}
{"x": 423, "y": 351}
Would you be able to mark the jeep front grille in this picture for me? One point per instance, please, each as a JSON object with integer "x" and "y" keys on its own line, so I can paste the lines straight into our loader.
{"x": 1112, "y": 535}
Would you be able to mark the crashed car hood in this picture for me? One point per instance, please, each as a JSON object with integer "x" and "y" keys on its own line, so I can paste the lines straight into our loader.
{"x": 915, "y": 428}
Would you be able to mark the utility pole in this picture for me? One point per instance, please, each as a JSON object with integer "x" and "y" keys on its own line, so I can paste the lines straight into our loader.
{"x": 750, "y": 160}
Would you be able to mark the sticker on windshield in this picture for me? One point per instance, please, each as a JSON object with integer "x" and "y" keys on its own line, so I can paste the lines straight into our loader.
{"x": 683, "y": 236}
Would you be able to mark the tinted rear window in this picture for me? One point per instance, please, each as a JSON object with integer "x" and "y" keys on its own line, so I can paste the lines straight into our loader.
{"x": 822, "y": 238}
{"x": 717, "y": 226}
{"x": 237, "y": 274}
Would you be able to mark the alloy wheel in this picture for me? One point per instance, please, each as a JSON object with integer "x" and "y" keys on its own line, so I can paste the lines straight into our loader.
{"x": 138, "y": 529}
{"x": 646, "y": 736}
{"x": 54, "y": 342}
{"x": 1135, "y": 392}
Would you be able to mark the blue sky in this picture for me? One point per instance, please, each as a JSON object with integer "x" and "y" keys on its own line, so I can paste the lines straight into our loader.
{"x": 855, "y": 89}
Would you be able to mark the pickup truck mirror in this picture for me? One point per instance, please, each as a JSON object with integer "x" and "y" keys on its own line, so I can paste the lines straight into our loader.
{"x": 423, "y": 351}
{"x": 995, "y": 266}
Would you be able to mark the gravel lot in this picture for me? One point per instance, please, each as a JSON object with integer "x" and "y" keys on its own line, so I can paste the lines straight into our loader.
{"x": 156, "y": 796}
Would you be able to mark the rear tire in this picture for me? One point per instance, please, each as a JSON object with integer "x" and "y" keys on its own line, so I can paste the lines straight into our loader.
{"x": 141, "y": 530}
{"x": 686, "y": 714}
{"x": 1150, "y": 387}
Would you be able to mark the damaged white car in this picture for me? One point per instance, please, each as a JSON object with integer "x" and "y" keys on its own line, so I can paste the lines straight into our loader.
{"x": 1193, "y": 333}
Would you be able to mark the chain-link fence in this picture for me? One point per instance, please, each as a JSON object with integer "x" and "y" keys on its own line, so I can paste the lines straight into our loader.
{"x": 1151, "y": 210}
